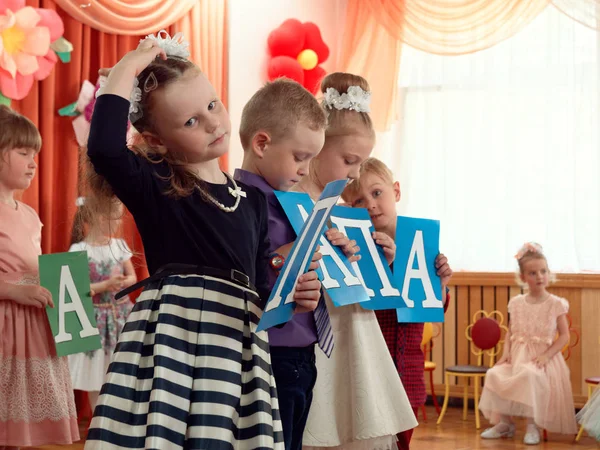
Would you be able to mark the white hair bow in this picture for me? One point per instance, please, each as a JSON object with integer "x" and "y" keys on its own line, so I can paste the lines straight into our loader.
{"x": 173, "y": 46}
{"x": 355, "y": 99}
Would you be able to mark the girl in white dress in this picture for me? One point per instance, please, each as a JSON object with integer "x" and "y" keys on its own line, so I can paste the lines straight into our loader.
{"x": 111, "y": 270}
{"x": 358, "y": 400}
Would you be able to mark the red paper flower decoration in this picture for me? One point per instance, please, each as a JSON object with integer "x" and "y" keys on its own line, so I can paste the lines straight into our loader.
{"x": 297, "y": 49}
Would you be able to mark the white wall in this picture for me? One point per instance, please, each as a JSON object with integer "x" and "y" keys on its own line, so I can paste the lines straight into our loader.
{"x": 250, "y": 23}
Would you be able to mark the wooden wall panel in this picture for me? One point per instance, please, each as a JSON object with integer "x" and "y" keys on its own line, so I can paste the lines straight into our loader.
{"x": 590, "y": 335}
{"x": 463, "y": 351}
{"x": 449, "y": 336}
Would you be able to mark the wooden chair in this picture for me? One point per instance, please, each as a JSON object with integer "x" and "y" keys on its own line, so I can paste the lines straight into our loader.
{"x": 573, "y": 339}
{"x": 591, "y": 382}
{"x": 566, "y": 352}
{"x": 485, "y": 337}
{"x": 430, "y": 332}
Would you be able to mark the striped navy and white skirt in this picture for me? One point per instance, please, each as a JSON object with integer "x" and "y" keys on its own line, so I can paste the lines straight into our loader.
{"x": 190, "y": 372}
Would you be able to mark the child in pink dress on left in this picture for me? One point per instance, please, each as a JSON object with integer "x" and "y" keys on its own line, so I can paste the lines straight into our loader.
{"x": 36, "y": 399}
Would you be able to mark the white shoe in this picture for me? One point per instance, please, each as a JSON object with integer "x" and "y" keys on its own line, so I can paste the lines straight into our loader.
{"x": 494, "y": 433}
{"x": 532, "y": 437}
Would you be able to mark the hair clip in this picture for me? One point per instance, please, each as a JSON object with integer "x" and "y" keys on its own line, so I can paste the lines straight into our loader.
{"x": 151, "y": 83}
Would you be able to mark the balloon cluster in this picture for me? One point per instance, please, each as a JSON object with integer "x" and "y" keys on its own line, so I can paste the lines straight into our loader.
{"x": 297, "y": 50}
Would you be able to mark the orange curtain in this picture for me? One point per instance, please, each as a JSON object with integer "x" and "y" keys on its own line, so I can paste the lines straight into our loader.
{"x": 55, "y": 188}
{"x": 141, "y": 17}
{"x": 376, "y": 29}
{"x": 454, "y": 27}
{"x": 370, "y": 51}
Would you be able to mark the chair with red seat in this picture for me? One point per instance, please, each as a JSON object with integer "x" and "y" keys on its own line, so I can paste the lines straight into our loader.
{"x": 591, "y": 382}
{"x": 430, "y": 332}
{"x": 485, "y": 337}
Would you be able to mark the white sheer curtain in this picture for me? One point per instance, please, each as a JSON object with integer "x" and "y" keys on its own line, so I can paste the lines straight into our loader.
{"x": 502, "y": 146}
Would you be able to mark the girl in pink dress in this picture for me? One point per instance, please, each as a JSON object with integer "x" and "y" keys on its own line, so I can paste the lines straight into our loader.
{"x": 531, "y": 379}
{"x": 36, "y": 399}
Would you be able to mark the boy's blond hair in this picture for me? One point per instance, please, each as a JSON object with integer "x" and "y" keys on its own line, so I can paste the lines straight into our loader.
{"x": 277, "y": 108}
{"x": 370, "y": 165}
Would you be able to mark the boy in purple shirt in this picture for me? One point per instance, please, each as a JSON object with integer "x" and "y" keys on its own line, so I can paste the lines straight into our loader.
{"x": 282, "y": 129}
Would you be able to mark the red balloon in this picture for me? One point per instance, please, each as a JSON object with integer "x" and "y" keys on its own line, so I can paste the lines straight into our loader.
{"x": 285, "y": 66}
{"x": 314, "y": 41}
{"x": 288, "y": 39}
{"x": 313, "y": 78}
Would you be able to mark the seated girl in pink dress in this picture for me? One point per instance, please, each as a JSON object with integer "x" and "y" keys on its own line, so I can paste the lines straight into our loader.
{"x": 531, "y": 379}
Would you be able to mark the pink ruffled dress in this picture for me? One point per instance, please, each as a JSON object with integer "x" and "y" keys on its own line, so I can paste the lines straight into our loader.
{"x": 36, "y": 399}
{"x": 519, "y": 388}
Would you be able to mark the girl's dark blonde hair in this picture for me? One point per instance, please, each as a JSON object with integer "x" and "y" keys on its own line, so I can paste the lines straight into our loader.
{"x": 182, "y": 182}
{"x": 343, "y": 122}
{"x": 17, "y": 131}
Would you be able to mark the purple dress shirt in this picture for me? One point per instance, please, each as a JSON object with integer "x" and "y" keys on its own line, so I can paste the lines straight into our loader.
{"x": 301, "y": 331}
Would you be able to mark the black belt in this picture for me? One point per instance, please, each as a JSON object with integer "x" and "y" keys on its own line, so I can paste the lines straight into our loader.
{"x": 168, "y": 270}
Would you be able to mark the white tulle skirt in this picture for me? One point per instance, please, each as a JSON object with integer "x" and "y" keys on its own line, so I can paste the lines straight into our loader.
{"x": 359, "y": 402}
{"x": 589, "y": 416}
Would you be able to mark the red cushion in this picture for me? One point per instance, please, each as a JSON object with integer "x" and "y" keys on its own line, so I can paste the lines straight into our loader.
{"x": 485, "y": 333}
{"x": 593, "y": 380}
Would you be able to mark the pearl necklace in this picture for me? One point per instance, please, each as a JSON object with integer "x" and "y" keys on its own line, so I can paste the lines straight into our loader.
{"x": 235, "y": 192}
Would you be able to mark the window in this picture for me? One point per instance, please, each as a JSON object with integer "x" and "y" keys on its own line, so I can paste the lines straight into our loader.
{"x": 502, "y": 146}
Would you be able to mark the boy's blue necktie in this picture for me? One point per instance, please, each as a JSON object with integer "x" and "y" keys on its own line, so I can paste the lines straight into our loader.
{"x": 324, "y": 331}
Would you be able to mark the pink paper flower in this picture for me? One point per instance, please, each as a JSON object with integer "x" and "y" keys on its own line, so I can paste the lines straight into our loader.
{"x": 84, "y": 108}
{"x": 26, "y": 34}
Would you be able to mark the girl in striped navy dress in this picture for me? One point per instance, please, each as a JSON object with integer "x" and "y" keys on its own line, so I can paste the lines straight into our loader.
{"x": 189, "y": 371}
